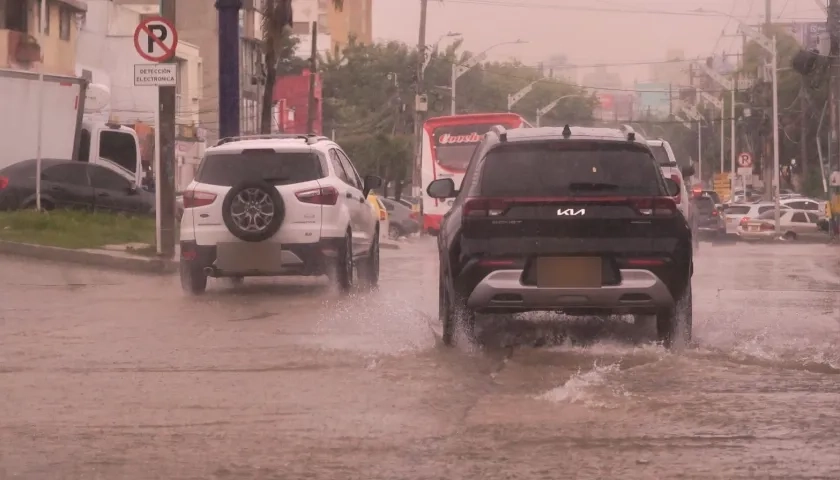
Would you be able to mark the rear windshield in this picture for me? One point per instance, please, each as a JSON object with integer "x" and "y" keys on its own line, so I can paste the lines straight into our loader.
{"x": 737, "y": 210}
{"x": 229, "y": 169}
{"x": 771, "y": 215}
{"x": 454, "y": 144}
{"x": 661, "y": 155}
{"x": 705, "y": 204}
{"x": 570, "y": 169}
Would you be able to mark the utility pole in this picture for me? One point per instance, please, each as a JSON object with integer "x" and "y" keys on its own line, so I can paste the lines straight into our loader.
{"x": 767, "y": 174}
{"x": 416, "y": 182}
{"x": 228, "y": 67}
{"x": 834, "y": 85}
{"x": 166, "y": 109}
{"x": 313, "y": 71}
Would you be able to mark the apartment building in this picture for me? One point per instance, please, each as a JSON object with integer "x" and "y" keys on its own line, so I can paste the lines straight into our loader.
{"x": 21, "y": 47}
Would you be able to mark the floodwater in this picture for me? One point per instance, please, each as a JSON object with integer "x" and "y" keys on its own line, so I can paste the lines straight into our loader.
{"x": 106, "y": 375}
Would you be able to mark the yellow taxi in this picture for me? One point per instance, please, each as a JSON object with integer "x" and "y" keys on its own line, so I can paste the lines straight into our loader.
{"x": 380, "y": 210}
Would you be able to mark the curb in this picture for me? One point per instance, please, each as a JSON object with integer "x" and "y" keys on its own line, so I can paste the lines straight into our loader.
{"x": 89, "y": 258}
{"x": 388, "y": 246}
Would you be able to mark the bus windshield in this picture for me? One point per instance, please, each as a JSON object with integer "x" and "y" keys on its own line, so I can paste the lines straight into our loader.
{"x": 453, "y": 145}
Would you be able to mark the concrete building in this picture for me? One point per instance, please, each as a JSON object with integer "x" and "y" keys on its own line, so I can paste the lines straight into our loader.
{"x": 20, "y": 46}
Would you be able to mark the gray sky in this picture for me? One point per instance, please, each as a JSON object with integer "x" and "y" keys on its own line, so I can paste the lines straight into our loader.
{"x": 585, "y": 36}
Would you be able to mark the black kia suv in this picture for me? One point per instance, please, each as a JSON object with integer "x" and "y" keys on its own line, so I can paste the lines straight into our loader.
{"x": 574, "y": 220}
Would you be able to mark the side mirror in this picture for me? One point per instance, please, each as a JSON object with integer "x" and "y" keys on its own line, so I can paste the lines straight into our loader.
{"x": 672, "y": 187}
{"x": 442, "y": 188}
{"x": 371, "y": 182}
{"x": 687, "y": 171}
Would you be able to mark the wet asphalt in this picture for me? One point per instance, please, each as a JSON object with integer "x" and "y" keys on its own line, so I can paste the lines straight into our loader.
{"x": 108, "y": 375}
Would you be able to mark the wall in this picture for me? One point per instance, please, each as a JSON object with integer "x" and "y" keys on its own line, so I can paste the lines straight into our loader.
{"x": 58, "y": 48}
{"x": 292, "y": 92}
{"x": 106, "y": 45}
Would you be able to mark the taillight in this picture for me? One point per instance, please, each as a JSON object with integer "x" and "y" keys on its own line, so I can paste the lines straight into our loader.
{"x": 744, "y": 221}
{"x": 194, "y": 199}
{"x": 715, "y": 213}
{"x": 485, "y": 207}
{"x": 655, "y": 207}
{"x": 414, "y": 215}
{"x": 382, "y": 215}
{"x": 644, "y": 262}
{"x": 318, "y": 196}
{"x": 4, "y": 182}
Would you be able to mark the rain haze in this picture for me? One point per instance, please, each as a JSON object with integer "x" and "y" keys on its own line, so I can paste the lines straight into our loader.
{"x": 241, "y": 244}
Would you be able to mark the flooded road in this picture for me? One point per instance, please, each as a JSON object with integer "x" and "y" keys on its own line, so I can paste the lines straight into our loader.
{"x": 113, "y": 376}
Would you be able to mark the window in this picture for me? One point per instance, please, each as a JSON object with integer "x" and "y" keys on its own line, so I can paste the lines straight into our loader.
{"x": 770, "y": 215}
{"x": 339, "y": 169}
{"x": 813, "y": 217}
{"x": 323, "y": 24}
{"x": 661, "y": 155}
{"x": 120, "y": 148}
{"x": 64, "y": 19}
{"x": 229, "y": 169}
{"x": 809, "y": 205}
{"x": 737, "y": 210}
{"x": 102, "y": 178}
{"x": 765, "y": 208}
{"x": 799, "y": 217}
{"x": 300, "y": 28}
{"x": 576, "y": 168}
{"x": 71, "y": 174}
{"x": 351, "y": 171}
{"x": 46, "y": 22}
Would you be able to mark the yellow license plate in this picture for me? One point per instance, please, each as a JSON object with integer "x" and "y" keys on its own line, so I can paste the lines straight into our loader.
{"x": 569, "y": 272}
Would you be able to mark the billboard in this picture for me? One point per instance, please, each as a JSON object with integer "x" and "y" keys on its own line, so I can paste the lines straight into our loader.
{"x": 654, "y": 98}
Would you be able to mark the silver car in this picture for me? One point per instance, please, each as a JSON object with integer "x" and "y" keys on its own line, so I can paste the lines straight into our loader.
{"x": 795, "y": 224}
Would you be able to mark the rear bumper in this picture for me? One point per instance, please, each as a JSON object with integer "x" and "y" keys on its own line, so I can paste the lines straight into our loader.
{"x": 294, "y": 259}
{"x": 768, "y": 235}
{"x": 639, "y": 291}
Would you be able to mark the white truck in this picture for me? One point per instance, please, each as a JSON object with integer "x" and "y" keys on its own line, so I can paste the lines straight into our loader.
{"x": 65, "y": 133}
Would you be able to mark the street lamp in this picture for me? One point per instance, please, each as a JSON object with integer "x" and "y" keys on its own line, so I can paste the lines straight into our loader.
{"x": 768, "y": 44}
{"x": 433, "y": 48}
{"x": 550, "y": 106}
{"x": 458, "y": 70}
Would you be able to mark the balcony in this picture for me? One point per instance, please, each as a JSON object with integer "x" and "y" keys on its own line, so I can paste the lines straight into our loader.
{"x": 18, "y": 50}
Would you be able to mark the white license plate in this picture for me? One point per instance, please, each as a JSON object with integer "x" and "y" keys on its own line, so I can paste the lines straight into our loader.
{"x": 753, "y": 229}
{"x": 249, "y": 257}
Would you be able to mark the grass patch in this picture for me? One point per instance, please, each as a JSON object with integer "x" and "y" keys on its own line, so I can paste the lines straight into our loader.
{"x": 75, "y": 229}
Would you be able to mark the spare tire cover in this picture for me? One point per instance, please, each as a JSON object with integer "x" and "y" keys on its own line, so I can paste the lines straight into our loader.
{"x": 253, "y": 210}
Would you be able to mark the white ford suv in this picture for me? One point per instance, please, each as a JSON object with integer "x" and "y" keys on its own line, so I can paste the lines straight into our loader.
{"x": 271, "y": 205}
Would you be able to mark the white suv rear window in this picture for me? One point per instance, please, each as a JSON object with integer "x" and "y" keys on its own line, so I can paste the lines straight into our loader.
{"x": 278, "y": 168}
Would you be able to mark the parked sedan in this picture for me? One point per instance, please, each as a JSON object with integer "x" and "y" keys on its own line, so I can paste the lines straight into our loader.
{"x": 710, "y": 223}
{"x": 72, "y": 185}
{"x": 795, "y": 224}
{"x": 403, "y": 221}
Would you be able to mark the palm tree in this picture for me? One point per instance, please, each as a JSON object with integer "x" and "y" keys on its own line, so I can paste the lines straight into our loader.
{"x": 276, "y": 23}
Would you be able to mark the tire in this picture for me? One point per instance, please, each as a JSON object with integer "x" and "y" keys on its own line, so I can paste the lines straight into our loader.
{"x": 344, "y": 265}
{"x": 674, "y": 325}
{"x": 453, "y": 313}
{"x": 193, "y": 278}
{"x": 789, "y": 236}
{"x": 369, "y": 268}
{"x": 395, "y": 232}
{"x": 262, "y": 211}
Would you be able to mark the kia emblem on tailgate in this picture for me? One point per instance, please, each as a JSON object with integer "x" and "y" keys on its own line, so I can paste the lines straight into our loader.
{"x": 571, "y": 212}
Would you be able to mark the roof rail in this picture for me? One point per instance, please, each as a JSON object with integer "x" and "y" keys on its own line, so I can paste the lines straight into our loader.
{"x": 628, "y": 130}
{"x": 310, "y": 138}
{"x": 500, "y": 131}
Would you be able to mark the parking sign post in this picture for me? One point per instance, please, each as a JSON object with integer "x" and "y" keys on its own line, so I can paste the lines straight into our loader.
{"x": 155, "y": 40}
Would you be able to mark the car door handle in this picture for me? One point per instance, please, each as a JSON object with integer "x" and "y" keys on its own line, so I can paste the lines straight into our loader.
{"x": 104, "y": 195}
{"x": 349, "y": 195}
{"x": 361, "y": 200}
{"x": 58, "y": 189}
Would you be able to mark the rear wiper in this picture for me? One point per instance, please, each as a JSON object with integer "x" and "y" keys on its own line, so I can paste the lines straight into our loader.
{"x": 593, "y": 186}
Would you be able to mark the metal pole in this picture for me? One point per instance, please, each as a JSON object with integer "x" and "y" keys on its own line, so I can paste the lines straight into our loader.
{"x": 312, "y": 110}
{"x": 165, "y": 154}
{"x": 416, "y": 180}
{"x": 699, "y": 150}
{"x": 453, "y": 82}
{"x": 538, "y": 117}
{"x": 228, "y": 67}
{"x": 732, "y": 139}
{"x": 722, "y": 140}
{"x": 773, "y": 65}
{"x": 40, "y": 113}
